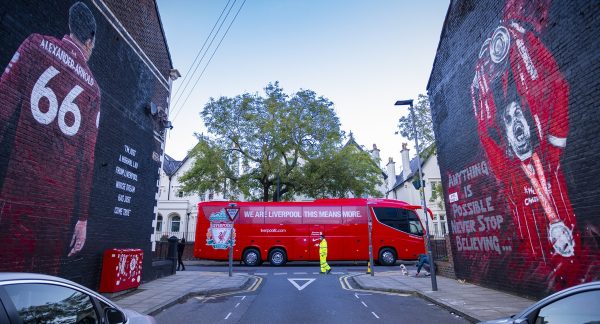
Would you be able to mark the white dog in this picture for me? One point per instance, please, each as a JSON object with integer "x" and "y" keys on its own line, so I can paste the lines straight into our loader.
{"x": 403, "y": 270}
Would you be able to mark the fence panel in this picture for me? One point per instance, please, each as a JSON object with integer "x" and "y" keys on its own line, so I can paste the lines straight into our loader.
{"x": 439, "y": 250}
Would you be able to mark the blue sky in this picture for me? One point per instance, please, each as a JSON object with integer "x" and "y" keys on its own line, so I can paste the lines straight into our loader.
{"x": 362, "y": 55}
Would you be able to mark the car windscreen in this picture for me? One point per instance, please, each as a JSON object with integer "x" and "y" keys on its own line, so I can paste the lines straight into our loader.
{"x": 48, "y": 303}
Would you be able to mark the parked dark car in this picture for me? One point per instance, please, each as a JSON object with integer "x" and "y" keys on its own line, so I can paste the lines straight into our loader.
{"x": 578, "y": 304}
{"x": 36, "y": 298}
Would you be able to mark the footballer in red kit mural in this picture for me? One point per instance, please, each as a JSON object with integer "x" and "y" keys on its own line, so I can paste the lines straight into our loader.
{"x": 520, "y": 100}
{"x": 49, "y": 115}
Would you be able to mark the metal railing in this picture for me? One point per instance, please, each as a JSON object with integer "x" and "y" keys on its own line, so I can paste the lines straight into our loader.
{"x": 164, "y": 235}
{"x": 161, "y": 251}
{"x": 439, "y": 249}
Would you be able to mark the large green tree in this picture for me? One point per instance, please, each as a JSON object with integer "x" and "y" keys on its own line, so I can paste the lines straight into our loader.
{"x": 259, "y": 144}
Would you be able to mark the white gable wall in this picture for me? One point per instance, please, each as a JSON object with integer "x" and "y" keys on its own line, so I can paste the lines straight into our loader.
{"x": 407, "y": 192}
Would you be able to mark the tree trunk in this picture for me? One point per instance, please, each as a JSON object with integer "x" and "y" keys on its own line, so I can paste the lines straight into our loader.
{"x": 266, "y": 192}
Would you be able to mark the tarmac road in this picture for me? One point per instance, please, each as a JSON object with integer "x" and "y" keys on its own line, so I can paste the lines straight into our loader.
{"x": 299, "y": 294}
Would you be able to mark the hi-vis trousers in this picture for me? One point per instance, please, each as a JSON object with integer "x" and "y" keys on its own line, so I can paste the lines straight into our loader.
{"x": 324, "y": 265}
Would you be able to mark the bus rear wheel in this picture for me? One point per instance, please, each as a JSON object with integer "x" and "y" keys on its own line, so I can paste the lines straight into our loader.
{"x": 251, "y": 257}
{"x": 277, "y": 257}
{"x": 387, "y": 257}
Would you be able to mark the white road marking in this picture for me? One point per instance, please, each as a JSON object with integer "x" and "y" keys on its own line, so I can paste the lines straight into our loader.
{"x": 236, "y": 305}
{"x": 364, "y": 304}
{"x": 261, "y": 273}
{"x": 315, "y": 273}
{"x": 308, "y": 282}
{"x": 280, "y": 273}
{"x": 374, "y": 314}
{"x": 242, "y": 297}
{"x": 226, "y": 317}
{"x": 300, "y": 273}
{"x": 337, "y": 273}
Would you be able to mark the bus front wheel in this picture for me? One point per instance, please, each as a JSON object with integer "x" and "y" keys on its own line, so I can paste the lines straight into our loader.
{"x": 251, "y": 257}
{"x": 277, "y": 257}
{"x": 387, "y": 257}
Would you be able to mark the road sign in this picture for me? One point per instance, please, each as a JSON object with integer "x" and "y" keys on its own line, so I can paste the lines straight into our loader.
{"x": 232, "y": 212}
{"x": 300, "y": 287}
{"x": 220, "y": 234}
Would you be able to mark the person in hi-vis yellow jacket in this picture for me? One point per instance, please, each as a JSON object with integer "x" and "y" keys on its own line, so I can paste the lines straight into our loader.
{"x": 325, "y": 268}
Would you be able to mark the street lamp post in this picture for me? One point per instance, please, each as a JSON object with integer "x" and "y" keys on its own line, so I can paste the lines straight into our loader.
{"x": 370, "y": 240}
{"x": 187, "y": 221}
{"x": 232, "y": 211}
{"x": 422, "y": 189}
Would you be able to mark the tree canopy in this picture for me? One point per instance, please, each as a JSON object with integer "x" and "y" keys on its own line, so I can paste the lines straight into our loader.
{"x": 424, "y": 130}
{"x": 423, "y": 124}
{"x": 257, "y": 144}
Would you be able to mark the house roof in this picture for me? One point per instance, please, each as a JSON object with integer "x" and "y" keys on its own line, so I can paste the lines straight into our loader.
{"x": 414, "y": 168}
{"x": 351, "y": 141}
{"x": 170, "y": 165}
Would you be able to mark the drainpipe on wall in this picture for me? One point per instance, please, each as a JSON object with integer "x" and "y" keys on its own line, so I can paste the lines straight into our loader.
{"x": 169, "y": 192}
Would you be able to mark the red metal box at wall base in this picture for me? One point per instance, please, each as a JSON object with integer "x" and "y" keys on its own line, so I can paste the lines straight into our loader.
{"x": 121, "y": 270}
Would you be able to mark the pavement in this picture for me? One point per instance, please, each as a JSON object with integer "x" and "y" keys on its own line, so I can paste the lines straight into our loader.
{"x": 472, "y": 302}
{"x": 154, "y": 296}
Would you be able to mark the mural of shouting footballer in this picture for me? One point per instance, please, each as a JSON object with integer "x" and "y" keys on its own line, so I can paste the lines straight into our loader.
{"x": 520, "y": 100}
{"x": 49, "y": 115}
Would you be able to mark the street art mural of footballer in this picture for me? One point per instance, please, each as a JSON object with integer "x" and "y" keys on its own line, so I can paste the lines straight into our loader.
{"x": 49, "y": 110}
{"x": 520, "y": 100}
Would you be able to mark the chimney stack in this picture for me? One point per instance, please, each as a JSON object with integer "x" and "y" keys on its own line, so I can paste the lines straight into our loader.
{"x": 391, "y": 171}
{"x": 375, "y": 155}
{"x": 405, "y": 161}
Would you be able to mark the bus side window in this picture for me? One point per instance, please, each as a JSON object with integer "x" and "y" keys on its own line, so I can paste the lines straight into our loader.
{"x": 393, "y": 217}
{"x": 415, "y": 223}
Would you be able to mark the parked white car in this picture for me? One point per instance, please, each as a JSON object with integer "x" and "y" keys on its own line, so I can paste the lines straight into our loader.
{"x": 578, "y": 304}
{"x": 36, "y": 298}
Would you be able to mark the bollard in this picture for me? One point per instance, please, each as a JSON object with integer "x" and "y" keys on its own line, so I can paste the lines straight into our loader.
{"x": 172, "y": 253}
{"x": 368, "y": 267}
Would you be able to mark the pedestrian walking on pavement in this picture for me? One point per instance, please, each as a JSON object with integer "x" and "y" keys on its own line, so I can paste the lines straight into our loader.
{"x": 325, "y": 268}
{"x": 180, "y": 248}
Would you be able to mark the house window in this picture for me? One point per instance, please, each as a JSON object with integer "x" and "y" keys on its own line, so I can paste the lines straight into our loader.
{"x": 175, "y": 222}
{"x": 211, "y": 196}
{"x": 443, "y": 224}
{"x": 159, "y": 221}
{"x": 180, "y": 194}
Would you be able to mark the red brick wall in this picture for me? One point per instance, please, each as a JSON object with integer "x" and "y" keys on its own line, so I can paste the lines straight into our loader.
{"x": 78, "y": 145}
{"x": 514, "y": 88}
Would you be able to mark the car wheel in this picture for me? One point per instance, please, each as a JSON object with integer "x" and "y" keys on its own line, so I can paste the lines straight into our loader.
{"x": 387, "y": 257}
{"x": 277, "y": 257}
{"x": 251, "y": 257}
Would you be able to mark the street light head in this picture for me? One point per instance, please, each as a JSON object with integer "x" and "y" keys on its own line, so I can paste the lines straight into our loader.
{"x": 404, "y": 102}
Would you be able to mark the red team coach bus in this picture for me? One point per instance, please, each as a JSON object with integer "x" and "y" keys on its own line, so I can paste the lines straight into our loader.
{"x": 289, "y": 231}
